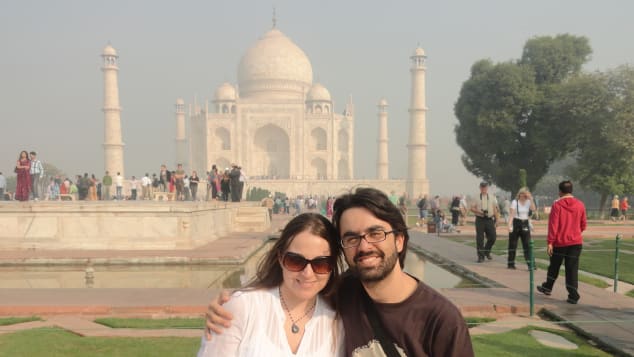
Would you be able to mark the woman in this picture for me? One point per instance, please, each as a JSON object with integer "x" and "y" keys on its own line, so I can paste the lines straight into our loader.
{"x": 22, "y": 169}
{"x": 614, "y": 212}
{"x": 519, "y": 226}
{"x": 225, "y": 186}
{"x": 455, "y": 210}
{"x": 193, "y": 184}
{"x": 92, "y": 190}
{"x": 288, "y": 309}
{"x": 53, "y": 190}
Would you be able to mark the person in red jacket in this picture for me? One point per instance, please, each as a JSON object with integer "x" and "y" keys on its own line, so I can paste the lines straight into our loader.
{"x": 566, "y": 222}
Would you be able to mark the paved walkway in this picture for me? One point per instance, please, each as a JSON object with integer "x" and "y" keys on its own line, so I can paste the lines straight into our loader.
{"x": 606, "y": 316}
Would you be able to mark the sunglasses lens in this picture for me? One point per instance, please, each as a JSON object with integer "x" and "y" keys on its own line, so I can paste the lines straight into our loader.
{"x": 321, "y": 265}
{"x": 294, "y": 262}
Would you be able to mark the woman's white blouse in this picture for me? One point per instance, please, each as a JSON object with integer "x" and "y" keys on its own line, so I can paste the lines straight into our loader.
{"x": 257, "y": 329}
{"x": 521, "y": 210}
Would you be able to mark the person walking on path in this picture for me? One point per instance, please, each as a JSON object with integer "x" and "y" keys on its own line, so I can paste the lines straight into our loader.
{"x": 107, "y": 183}
{"x": 487, "y": 215}
{"x": 614, "y": 212}
{"x": 519, "y": 225}
{"x": 37, "y": 172}
{"x": 624, "y": 207}
{"x": 566, "y": 222}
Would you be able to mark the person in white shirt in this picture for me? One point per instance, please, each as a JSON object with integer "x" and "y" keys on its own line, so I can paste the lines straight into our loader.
{"x": 146, "y": 183}
{"x": 287, "y": 310}
{"x": 118, "y": 181}
{"x": 519, "y": 225}
{"x": 3, "y": 186}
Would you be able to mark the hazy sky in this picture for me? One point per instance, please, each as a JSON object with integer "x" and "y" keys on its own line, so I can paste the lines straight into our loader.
{"x": 51, "y": 85}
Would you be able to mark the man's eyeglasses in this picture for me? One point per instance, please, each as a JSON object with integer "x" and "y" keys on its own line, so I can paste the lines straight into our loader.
{"x": 374, "y": 236}
{"x": 296, "y": 263}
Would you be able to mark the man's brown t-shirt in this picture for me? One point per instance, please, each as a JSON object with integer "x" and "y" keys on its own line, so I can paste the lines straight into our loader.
{"x": 424, "y": 324}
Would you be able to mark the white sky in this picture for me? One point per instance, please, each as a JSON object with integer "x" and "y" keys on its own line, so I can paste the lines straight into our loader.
{"x": 51, "y": 86}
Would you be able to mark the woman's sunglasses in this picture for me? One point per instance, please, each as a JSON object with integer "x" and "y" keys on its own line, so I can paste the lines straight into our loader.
{"x": 296, "y": 263}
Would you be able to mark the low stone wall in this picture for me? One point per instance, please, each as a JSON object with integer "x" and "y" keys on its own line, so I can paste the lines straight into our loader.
{"x": 134, "y": 225}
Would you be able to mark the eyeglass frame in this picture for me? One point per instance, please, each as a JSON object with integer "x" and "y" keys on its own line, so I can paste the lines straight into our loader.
{"x": 364, "y": 236}
{"x": 306, "y": 262}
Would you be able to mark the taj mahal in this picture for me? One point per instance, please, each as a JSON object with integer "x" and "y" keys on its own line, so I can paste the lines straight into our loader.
{"x": 282, "y": 128}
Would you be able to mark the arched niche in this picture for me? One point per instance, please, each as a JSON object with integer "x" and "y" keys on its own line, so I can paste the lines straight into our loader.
{"x": 343, "y": 139}
{"x": 271, "y": 152}
{"x": 319, "y": 139}
{"x": 223, "y": 139}
{"x": 319, "y": 170}
{"x": 343, "y": 170}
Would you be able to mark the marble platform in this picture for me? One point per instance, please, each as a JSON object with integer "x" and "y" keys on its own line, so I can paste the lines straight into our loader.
{"x": 124, "y": 224}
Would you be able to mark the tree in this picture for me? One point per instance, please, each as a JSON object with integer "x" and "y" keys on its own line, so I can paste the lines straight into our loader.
{"x": 605, "y": 155}
{"x": 508, "y": 112}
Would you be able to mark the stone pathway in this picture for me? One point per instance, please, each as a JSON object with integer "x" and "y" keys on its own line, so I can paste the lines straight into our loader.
{"x": 552, "y": 340}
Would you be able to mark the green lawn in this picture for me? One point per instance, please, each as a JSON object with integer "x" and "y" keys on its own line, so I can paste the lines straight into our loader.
{"x": 520, "y": 343}
{"x": 475, "y": 321}
{"x": 178, "y": 322}
{"x": 55, "y": 342}
{"x": 630, "y": 293}
{"x": 17, "y": 320}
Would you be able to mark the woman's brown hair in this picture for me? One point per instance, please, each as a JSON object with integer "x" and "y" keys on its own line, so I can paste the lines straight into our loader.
{"x": 269, "y": 271}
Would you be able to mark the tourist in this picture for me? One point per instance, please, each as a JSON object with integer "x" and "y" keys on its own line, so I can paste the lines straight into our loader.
{"x": 118, "y": 181}
{"x": 106, "y": 181}
{"x": 413, "y": 318}
{"x": 234, "y": 179}
{"x": 186, "y": 194}
{"x": 243, "y": 180}
{"x": 3, "y": 186}
{"x": 422, "y": 211}
{"x": 172, "y": 183}
{"x": 93, "y": 188}
{"x": 614, "y": 212}
{"x": 394, "y": 198}
{"x": 146, "y": 183}
{"x": 179, "y": 182}
{"x": 519, "y": 226}
{"x": 193, "y": 184}
{"x": 268, "y": 203}
{"x": 134, "y": 183}
{"x": 463, "y": 210}
{"x": 402, "y": 204}
{"x": 37, "y": 172}
{"x": 289, "y": 305}
{"x": 214, "y": 182}
{"x": 225, "y": 186}
{"x": 23, "y": 184}
{"x": 486, "y": 211}
{"x": 52, "y": 191}
{"x": 624, "y": 207}
{"x": 566, "y": 222}
{"x": 455, "y": 210}
{"x": 165, "y": 177}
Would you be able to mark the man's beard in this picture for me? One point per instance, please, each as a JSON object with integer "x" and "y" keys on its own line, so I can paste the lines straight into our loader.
{"x": 377, "y": 273}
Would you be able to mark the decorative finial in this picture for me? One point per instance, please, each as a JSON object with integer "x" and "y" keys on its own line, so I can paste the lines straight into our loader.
{"x": 274, "y": 18}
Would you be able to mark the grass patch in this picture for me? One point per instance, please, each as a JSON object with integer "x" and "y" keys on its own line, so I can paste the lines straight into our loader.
{"x": 630, "y": 293}
{"x": 475, "y": 321}
{"x": 153, "y": 324}
{"x": 520, "y": 343}
{"x": 5, "y": 321}
{"x": 55, "y": 342}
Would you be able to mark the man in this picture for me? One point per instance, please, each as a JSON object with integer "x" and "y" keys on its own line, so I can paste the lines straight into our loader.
{"x": 3, "y": 186}
{"x": 487, "y": 215}
{"x": 566, "y": 222}
{"x": 463, "y": 210}
{"x": 416, "y": 320}
{"x": 422, "y": 211}
{"x": 107, "y": 183}
{"x": 234, "y": 179}
{"x": 243, "y": 180}
{"x": 133, "y": 187}
{"x": 118, "y": 181}
{"x": 179, "y": 182}
{"x": 164, "y": 176}
{"x": 146, "y": 183}
{"x": 37, "y": 172}
{"x": 268, "y": 203}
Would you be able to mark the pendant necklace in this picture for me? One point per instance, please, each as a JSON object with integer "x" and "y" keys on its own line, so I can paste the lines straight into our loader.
{"x": 294, "y": 327}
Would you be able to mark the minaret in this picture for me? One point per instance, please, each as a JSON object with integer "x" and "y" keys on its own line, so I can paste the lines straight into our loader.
{"x": 382, "y": 158}
{"x": 417, "y": 182}
{"x": 112, "y": 145}
{"x": 181, "y": 139}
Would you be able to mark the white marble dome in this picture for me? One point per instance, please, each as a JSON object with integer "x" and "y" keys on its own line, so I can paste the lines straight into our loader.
{"x": 318, "y": 93}
{"x": 225, "y": 92}
{"x": 274, "y": 66}
{"x": 109, "y": 51}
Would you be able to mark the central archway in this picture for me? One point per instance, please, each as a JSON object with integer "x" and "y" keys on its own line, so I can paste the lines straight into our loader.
{"x": 271, "y": 156}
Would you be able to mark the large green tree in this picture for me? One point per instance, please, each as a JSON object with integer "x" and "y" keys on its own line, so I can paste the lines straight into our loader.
{"x": 508, "y": 113}
{"x": 605, "y": 151}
